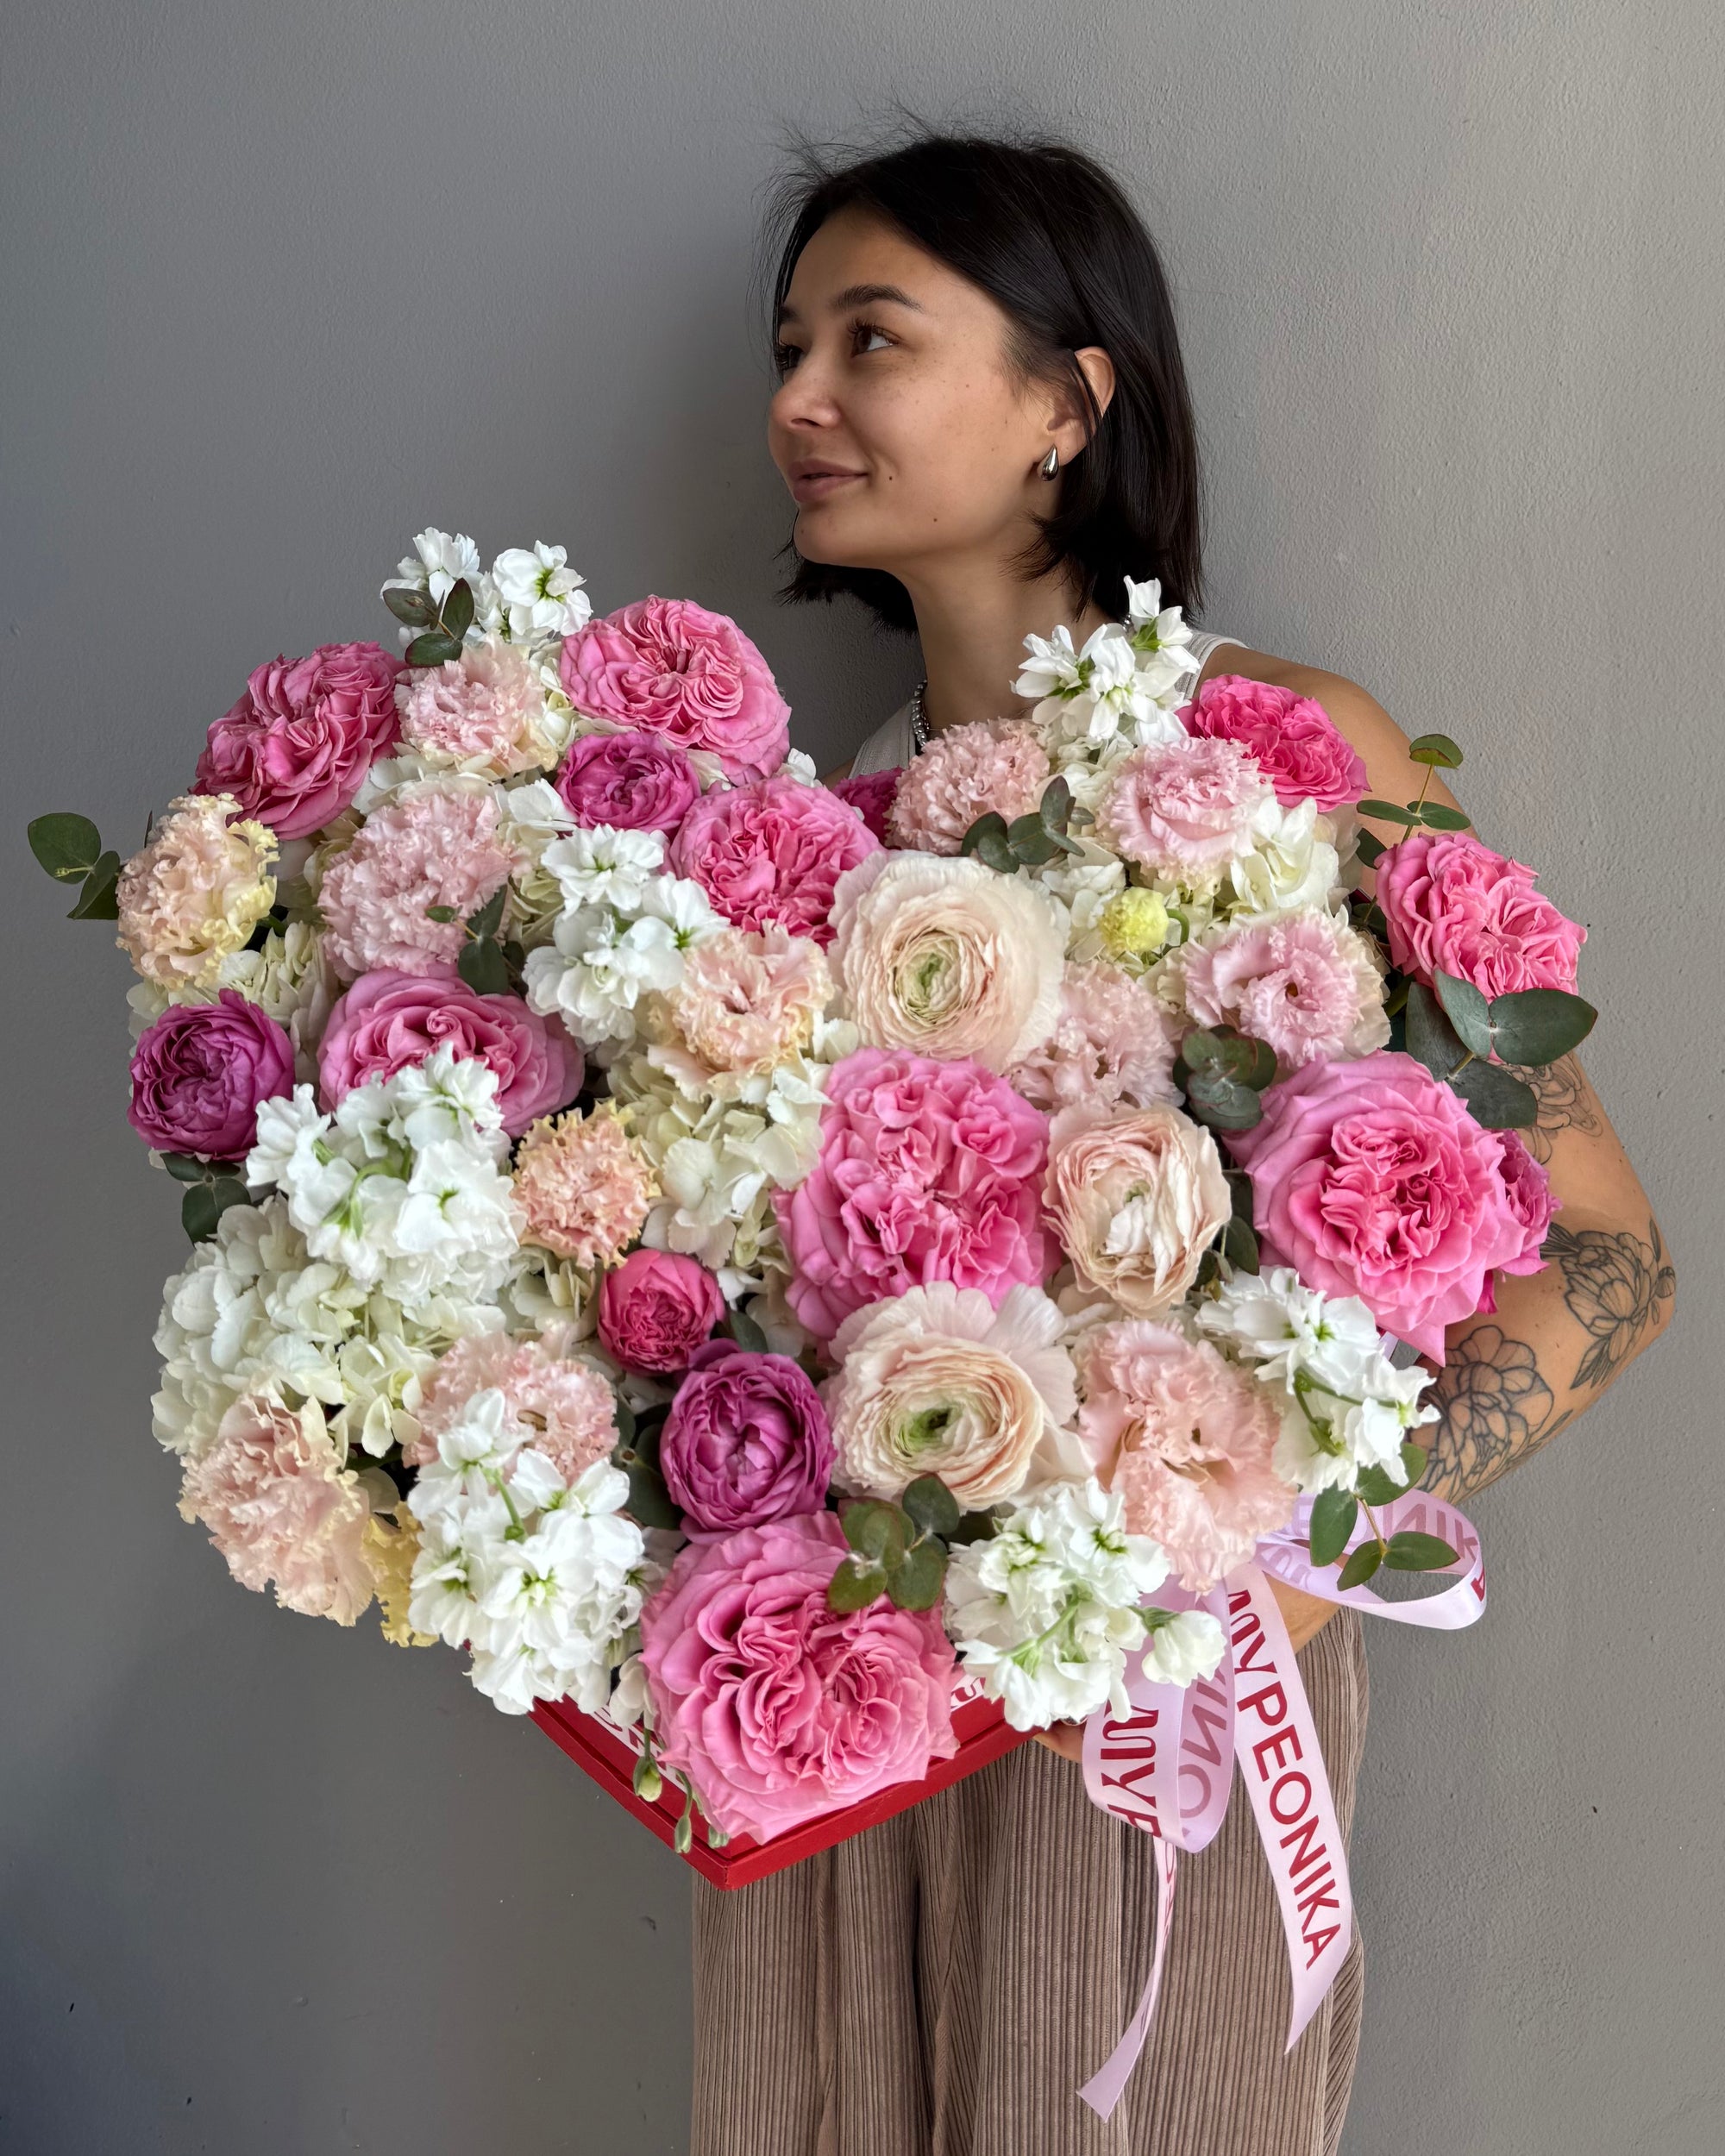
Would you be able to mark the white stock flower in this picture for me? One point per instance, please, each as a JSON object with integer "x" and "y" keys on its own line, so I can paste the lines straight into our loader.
{"x": 439, "y": 562}
{"x": 1185, "y": 1646}
{"x": 540, "y": 596}
{"x": 604, "y": 866}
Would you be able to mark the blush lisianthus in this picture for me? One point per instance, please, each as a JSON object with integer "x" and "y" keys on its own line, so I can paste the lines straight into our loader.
{"x": 193, "y": 895}
{"x": 563, "y": 1405}
{"x": 746, "y": 1441}
{"x": 1452, "y": 905}
{"x": 482, "y": 711}
{"x": 583, "y": 1185}
{"x": 1292, "y": 739}
{"x": 777, "y": 1708}
{"x": 631, "y": 782}
{"x": 1137, "y": 1197}
{"x": 1186, "y": 807}
{"x": 927, "y": 1171}
{"x": 995, "y": 764}
{"x": 771, "y": 850}
{"x": 1306, "y": 985}
{"x": 437, "y": 843}
{"x": 749, "y": 1001}
{"x": 199, "y": 1072}
{"x": 667, "y": 667}
{"x": 1113, "y": 1045}
{"x": 293, "y": 749}
{"x": 871, "y": 796}
{"x": 656, "y": 1309}
{"x": 947, "y": 957}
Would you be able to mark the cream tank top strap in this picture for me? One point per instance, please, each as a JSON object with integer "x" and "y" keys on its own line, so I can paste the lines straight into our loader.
{"x": 891, "y": 746}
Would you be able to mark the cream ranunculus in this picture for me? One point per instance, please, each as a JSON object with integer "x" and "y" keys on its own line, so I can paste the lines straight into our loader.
{"x": 947, "y": 957}
{"x": 936, "y": 1382}
{"x": 1136, "y": 1199}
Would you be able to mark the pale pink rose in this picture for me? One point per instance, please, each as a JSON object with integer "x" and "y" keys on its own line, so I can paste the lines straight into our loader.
{"x": 568, "y": 1405}
{"x": 388, "y": 1022}
{"x": 634, "y": 782}
{"x": 280, "y": 1507}
{"x": 777, "y": 1708}
{"x": 294, "y": 749}
{"x": 1305, "y": 985}
{"x": 656, "y": 1309}
{"x": 947, "y": 957}
{"x": 1187, "y": 1437}
{"x": 435, "y": 842}
{"x": 1113, "y": 1045}
{"x": 995, "y": 764}
{"x": 1292, "y": 739}
{"x": 1137, "y": 1197}
{"x": 871, "y": 796}
{"x": 485, "y": 710}
{"x": 771, "y": 850}
{"x": 584, "y": 1186}
{"x": 666, "y": 666}
{"x": 1181, "y": 808}
{"x": 927, "y": 1171}
{"x": 1372, "y": 1179}
{"x": 1452, "y": 906}
{"x": 746, "y": 1002}
{"x": 196, "y": 891}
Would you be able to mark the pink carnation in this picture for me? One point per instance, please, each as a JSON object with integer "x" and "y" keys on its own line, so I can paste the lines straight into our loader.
{"x": 484, "y": 709}
{"x": 1112, "y": 1044}
{"x": 927, "y": 1171}
{"x": 995, "y": 764}
{"x": 1187, "y": 1437}
{"x": 666, "y": 666}
{"x": 634, "y": 782}
{"x": 387, "y": 1022}
{"x": 1372, "y": 1179}
{"x": 433, "y": 844}
{"x": 777, "y": 1708}
{"x": 583, "y": 1185}
{"x": 871, "y": 796}
{"x": 1454, "y": 905}
{"x": 746, "y": 1002}
{"x": 1305, "y": 985}
{"x": 567, "y": 1404}
{"x": 294, "y": 749}
{"x": 771, "y": 850}
{"x": 1181, "y": 808}
{"x": 1292, "y": 739}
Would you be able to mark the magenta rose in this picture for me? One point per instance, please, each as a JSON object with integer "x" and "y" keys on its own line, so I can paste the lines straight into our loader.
{"x": 1292, "y": 739}
{"x": 777, "y": 1708}
{"x": 199, "y": 1072}
{"x": 1372, "y": 1179}
{"x": 666, "y": 666}
{"x": 746, "y": 1440}
{"x": 1452, "y": 905}
{"x": 388, "y": 1021}
{"x": 294, "y": 749}
{"x": 871, "y": 796}
{"x": 772, "y": 851}
{"x": 927, "y": 1171}
{"x": 634, "y": 782}
{"x": 657, "y": 1308}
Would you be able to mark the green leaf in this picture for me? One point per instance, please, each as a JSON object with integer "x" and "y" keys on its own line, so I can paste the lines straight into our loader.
{"x": 99, "y": 900}
{"x": 1437, "y": 749}
{"x": 1387, "y": 812}
{"x": 1032, "y": 841}
{"x": 623, "y": 1416}
{"x": 1495, "y": 1100}
{"x": 931, "y": 1506}
{"x": 854, "y": 1586}
{"x": 1056, "y": 806}
{"x": 873, "y": 1529}
{"x": 1334, "y": 1514}
{"x": 186, "y": 1167}
{"x": 1413, "y": 1463}
{"x": 1439, "y": 815}
{"x": 433, "y": 648}
{"x": 1209, "y": 1268}
{"x": 1361, "y": 1565}
{"x": 198, "y": 1213}
{"x": 746, "y": 1333}
{"x": 66, "y": 845}
{"x": 1537, "y": 1025}
{"x": 996, "y": 853}
{"x": 409, "y": 605}
{"x": 990, "y": 825}
{"x": 486, "y": 920}
{"x": 458, "y": 608}
{"x": 1410, "y": 1552}
{"x": 228, "y": 1189}
{"x": 1431, "y": 1038}
{"x": 916, "y": 1581}
{"x": 1370, "y": 847}
{"x": 1222, "y": 1103}
{"x": 1377, "y": 1486}
{"x": 974, "y": 1527}
{"x": 444, "y": 914}
{"x": 1466, "y": 1009}
{"x": 649, "y": 1502}
{"x": 1239, "y": 1245}
{"x": 480, "y": 965}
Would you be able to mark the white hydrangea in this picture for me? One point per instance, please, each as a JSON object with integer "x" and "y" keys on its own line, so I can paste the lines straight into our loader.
{"x": 1293, "y": 866}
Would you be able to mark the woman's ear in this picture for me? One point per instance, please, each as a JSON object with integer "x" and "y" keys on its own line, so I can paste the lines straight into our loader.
{"x": 1069, "y": 422}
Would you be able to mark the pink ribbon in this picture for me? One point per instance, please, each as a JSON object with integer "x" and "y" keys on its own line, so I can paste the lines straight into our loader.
{"x": 1166, "y": 1767}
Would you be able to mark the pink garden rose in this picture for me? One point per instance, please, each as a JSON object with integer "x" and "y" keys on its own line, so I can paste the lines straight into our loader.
{"x": 1529, "y": 1191}
{"x": 199, "y": 1072}
{"x": 666, "y": 666}
{"x": 656, "y": 1309}
{"x": 777, "y": 1708}
{"x": 871, "y": 796}
{"x": 1372, "y": 1179}
{"x": 634, "y": 782}
{"x": 294, "y": 749}
{"x": 1454, "y": 905}
{"x": 927, "y": 1171}
{"x": 746, "y": 1440}
{"x": 1292, "y": 739}
{"x": 1185, "y": 808}
{"x": 771, "y": 850}
{"x": 388, "y": 1021}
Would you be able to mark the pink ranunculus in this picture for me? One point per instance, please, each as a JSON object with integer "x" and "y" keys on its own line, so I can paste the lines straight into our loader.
{"x": 634, "y": 782}
{"x": 389, "y": 1021}
{"x": 771, "y": 850}
{"x": 666, "y": 666}
{"x": 777, "y": 1708}
{"x": 871, "y": 796}
{"x": 746, "y": 1441}
{"x": 1454, "y": 905}
{"x": 656, "y": 1309}
{"x": 1292, "y": 739}
{"x": 199, "y": 1072}
{"x": 294, "y": 749}
{"x": 1184, "y": 808}
{"x": 1372, "y": 1179}
{"x": 927, "y": 1171}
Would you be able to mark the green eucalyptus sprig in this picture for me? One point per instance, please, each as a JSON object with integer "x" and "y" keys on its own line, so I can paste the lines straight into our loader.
{"x": 1335, "y": 1514}
{"x": 900, "y": 1550}
{"x": 488, "y": 967}
{"x": 70, "y": 847}
{"x": 1222, "y": 1073}
{"x": 442, "y": 629}
{"x": 1438, "y": 753}
{"x": 1028, "y": 841}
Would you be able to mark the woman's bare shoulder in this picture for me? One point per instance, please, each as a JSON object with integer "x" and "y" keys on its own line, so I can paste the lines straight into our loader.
{"x": 832, "y": 778}
{"x": 1382, "y": 743}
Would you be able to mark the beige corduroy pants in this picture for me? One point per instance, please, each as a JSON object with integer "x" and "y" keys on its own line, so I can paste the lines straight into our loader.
{"x": 941, "y": 1985}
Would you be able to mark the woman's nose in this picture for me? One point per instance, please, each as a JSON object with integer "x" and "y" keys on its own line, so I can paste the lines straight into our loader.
{"x": 805, "y": 398}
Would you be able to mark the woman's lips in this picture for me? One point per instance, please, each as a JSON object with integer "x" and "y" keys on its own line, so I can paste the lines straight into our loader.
{"x": 815, "y": 486}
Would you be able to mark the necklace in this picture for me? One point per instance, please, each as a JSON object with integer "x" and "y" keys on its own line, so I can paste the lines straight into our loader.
{"x": 918, "y": 721}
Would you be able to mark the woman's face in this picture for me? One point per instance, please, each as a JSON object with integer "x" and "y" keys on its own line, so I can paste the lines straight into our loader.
{"x": 899, "y": 425}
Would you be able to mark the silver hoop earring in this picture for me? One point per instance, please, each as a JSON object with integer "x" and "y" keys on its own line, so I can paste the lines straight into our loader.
{"x": 1049, "y": 467}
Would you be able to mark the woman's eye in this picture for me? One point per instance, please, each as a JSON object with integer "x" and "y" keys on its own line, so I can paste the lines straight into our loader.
{"x": 865, "y": 337}
{"x": 784, "y": 357}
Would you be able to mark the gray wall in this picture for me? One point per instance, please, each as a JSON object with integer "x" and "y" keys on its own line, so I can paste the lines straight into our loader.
{"x": 283, "y": 284}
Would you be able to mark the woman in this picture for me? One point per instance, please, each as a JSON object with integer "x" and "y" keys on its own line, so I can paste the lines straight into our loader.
{"x": 984, "y": 423}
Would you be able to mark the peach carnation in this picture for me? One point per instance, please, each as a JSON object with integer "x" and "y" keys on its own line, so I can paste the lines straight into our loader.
{"x": 995, "y": 763}
{"x": 748, "y": 1001}
{"x": 482, "y": 711}
{"x": 1137, "y": 1199}
{"x": 1112, "y": 1044}
{"x": 584, "y": 1186}
{"x": 197, "y": 891}
{"x": 568, "y": 1405}
{"x": 434, "y": 843}
{"x": 1184, "y": 808}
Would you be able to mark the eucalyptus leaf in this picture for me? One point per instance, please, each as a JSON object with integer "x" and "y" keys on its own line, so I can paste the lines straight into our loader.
{"x": 1410, "y": 1552}
{"x": 1439, "y": 815}
{"x": 1431, "y": 1038}
{"x": 1334, "y": 1514}
{"x": 991, "y": 825}
{"x": 931, "y": 1505}
{"x": 433, "y": 648}
{"x": 1361, "y": 1565}
{"x": 1032, "y": 841}
{"x": 66, "y": 845}
{"x": 974, "y": 1527}
{"x": 458, "y": 608}
{"x": 409, "y": 605}
{"x": 1466, "y": 1009}
{"x": 442, "y": 914}
{"x": 1239, "y": 1245}
{"x": 995, "y": 852}
{"x": 1437, "y": 749}
{"x": 198, "y": 1213}
{"x": 649, "y": 1502}
{"x": 915, "y": 1583}
{"x": 855, "y": 1586}
{"x": 1209, "y": 1268}
{"x": 875, "y": 1530}
{"x": 1056, "y": 806}
{"x": 623, "y": 1416}
{"x": 486, "y": 920}
{"x": 480, "y": 965}
{"x": 228, "y": 1190}
{"x": 1536, "y": 1025}
{"x": 1370, "y": 848}
{"x": 99, "y": 900}
{"x": 746, "y": 1333}
{"x": 1223, "y": 1102}
{"x": 1497, "y": 1099}
{"x": 1387, "y": 812}
{"x": 186, "y": 1167}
